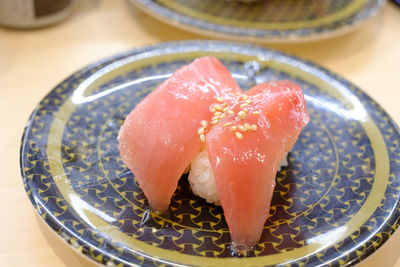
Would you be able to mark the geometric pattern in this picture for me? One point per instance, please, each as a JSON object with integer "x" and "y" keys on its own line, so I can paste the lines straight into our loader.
{"x": 329, "y": 177}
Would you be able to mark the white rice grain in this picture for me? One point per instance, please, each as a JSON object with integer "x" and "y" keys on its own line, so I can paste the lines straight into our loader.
{"x": 201, "y": 178}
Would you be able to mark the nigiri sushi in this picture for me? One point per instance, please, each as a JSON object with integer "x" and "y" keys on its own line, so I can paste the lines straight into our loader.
{"x": 159, "y": 138}
{"x": 234, "y": 140}
{"x": 245, "y": 155}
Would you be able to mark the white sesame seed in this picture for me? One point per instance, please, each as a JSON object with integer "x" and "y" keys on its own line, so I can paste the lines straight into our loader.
{"x": 242, "y": 114}
{"x": 245, "y": 97}
{"x": 242, "y": 128}
{"x": 230, "y": 112}
{"x": 218, "y": 107}
{"x": 256, "y": 112}
{"x": 202, "y": 138}
{"x": 247, "y": 125}
{"x": 244, "y": 105}
{"x": 200, "y": 130}
{"x": 227, "y": 124}
{"x": 222, "y": 116}
{"x": 213, "y": 122}
{"x": 215, "y": 118}
{"x": 239, "y": 136}
{"x": 248, "y": 101}
{"x": 204, "y": 124}
{"x": 213, "y": 110}
{"x": 220, "y": 99}
{"x": 233, "y": 128}
{"x": 254, "y": 127}
{"x": 225, "y": 109}
{"x": 246, "y": 110}
{"x": 217, "y": 113}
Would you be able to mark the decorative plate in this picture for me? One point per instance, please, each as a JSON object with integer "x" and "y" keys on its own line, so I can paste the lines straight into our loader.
{"x": 263, "y": 20}
{"x": 335, "y": 203}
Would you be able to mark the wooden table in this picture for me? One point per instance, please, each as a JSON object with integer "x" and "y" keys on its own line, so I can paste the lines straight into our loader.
{"x": 33, "y": 62}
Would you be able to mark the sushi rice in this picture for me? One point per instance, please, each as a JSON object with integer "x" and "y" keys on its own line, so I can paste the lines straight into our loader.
{"x": 201, "y": 177}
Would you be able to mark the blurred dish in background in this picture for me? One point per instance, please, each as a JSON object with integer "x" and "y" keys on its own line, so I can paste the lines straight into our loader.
{"x": 263, "y": 21}
{"x": 27, "y": 14}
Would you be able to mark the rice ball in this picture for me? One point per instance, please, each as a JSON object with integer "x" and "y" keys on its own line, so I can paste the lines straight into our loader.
{"x": 201, "y": 177}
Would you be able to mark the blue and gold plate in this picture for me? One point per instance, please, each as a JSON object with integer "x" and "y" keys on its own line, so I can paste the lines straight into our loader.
{"x": 263, "y": 20}
{"x": 335, "y": 203}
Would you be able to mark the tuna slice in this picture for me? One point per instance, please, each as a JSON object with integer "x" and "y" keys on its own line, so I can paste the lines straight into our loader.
{"x": 159, "y": 138}
{"x": 245, "y": 161}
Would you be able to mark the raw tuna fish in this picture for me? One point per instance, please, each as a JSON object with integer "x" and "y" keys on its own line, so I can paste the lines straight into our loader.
{"x": 159, "y": 138}
{"x": 245, "y": 150}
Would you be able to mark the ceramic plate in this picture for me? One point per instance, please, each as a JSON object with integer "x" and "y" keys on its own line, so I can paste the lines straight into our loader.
{"x": 263, "y": 20}
{"x": 335, "y": 203}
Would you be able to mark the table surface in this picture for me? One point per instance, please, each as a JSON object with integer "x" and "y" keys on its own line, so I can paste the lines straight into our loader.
{"x": 34, "y": 61}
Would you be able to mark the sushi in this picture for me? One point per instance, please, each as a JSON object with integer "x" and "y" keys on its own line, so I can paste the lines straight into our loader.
{"x": 159, "y": 138}
{"x": 245, "y": 165}
{"x": 234, "y": 142}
